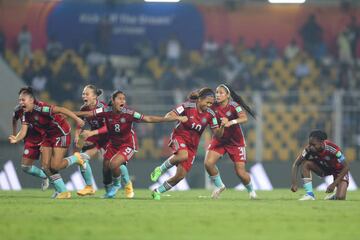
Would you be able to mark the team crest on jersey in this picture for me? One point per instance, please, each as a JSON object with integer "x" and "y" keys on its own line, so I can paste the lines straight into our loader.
{"x": 122, "y": 120}
{"x": 182, "y": 145}
{"x": 228, "y": 113}
{"x": 203, "y": 120}
{"x": 26, "y": 151}
{"x": 36, "y": 118}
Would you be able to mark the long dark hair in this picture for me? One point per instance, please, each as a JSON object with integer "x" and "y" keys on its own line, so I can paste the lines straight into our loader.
{"x": 201, "y": 93}
{"x": 95, "y": 90}
{"x": 114, "y": 95}
{"x": 28, "y": 91}
{"x": 238, "y": 99}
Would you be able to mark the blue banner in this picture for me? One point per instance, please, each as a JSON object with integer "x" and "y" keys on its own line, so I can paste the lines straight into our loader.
{"x": 120, "y": 27}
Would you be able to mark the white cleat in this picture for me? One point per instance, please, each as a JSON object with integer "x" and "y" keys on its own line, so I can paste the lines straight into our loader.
{"x": 252, "y": 195}
{"x": 45, "y": 184}
{"x": 331, "y": 196}
{"x": 306, "y": 197}
{"x": 217, "y": 191}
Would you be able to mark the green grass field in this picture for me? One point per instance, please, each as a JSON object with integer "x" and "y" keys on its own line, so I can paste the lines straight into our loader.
{"x": 30, "y": 214}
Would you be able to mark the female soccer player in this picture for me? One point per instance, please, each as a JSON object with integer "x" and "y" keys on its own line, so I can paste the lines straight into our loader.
{"x": 31, "y": 152}
{"x": 57, "y": 137}
{"x": 229, "y": 107}
{"x": 186, "y": 136}
{"x": 324, "y": 158}
{"x": 122, "y": 145}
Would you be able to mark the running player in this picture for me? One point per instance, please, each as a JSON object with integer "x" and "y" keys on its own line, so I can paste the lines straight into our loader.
{"x": 122, "y": 145}
{"x": 31, "y": 152}
{"x": 186, "y": 136}
{"x": 324, "y": 158}
{"x": 229, "y": 107}
{"x": 49, "y": 118}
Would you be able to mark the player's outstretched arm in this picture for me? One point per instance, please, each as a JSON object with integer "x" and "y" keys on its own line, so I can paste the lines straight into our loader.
{"x": 20, "y": 136}
{"x": 70, "y": 114}
{"x": 169, "y": 117}
{"x": 14, "y": 126}
{"x": 242, "y": 118}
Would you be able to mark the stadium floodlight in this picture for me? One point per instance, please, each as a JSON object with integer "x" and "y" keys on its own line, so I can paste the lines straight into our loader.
{"x": 286, "y": 1}
{"x": 170, "y": 1}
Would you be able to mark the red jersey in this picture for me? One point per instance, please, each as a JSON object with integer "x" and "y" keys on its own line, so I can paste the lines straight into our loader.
{"x": 233, "y": 135}
{"x": 42, "y": 118}
{"x": 120, "y": 125}
{"x": 331, "y": 157}
{"x": 191, "y": 130}
{"x": 32, "y": 136}
{"x": 94, "y": 122}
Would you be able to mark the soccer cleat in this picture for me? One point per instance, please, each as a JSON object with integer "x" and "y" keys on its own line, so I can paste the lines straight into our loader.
{"x": 331, "y": 196}
{"x": 45, "y": 184}
{"x": 217, "y": 191}
{"x": 155, "y": 174}
{"x": 111, "y": 192}
{"x": 155, "y": 195}
{"x": 54, "y": 195}
{"x": 306, "y": 197}
{"x": 63, "y": 195}
{"x": 252, "y": 195}
{"x": 88, "y": 190}
{"x": 129, "y": 191}
{"x": 80, "y": 161}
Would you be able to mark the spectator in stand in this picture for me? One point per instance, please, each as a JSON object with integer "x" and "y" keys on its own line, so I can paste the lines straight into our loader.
{"x": 39, "y": 82}
{"x": 311, "y": 33}
{"x": 173, "y": 51}
{"x": 344, "y": 47}
{"x": 53, "y": 49}
{"x": 24, "y": 42}
{"x": 106, "y": 74}
{"x": 272, "y": 53}
{"x": 353, "y": 35}
{"x": 121, "y": 80}
{"x": 302, "y": 69}
{"x": 291, "y": 50}
{"x": 2, "y": 43}
{"x": 210, "y": 48}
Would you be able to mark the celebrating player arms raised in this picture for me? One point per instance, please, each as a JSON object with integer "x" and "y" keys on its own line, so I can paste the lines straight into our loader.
{"x": 324, "y": 158}
{"x": 122, "y": 145}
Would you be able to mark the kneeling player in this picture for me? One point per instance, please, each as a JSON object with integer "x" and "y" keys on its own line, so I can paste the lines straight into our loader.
{"x": 323, "y": 158}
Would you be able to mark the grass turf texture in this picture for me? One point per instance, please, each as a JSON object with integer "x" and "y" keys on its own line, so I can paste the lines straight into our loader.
{"x": 30, "y": 214}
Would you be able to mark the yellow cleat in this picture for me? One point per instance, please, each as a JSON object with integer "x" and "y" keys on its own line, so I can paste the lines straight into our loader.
{"x": 63, "y": 195}
{"x": 88, "y": 190}
{"x": 129, "y": 191}
{"x": 80, "y": 161}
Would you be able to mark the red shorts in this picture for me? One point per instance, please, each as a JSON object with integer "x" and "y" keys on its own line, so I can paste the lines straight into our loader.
{"x": 31, "y": 150}
{"x": 236, "y": 153}
{"x": 98, "y": 141}
{"x": 62, "y": 141}
{"x": 333, "y": 172}
{"x": 177, "y": 143}
{"x": 124, "y": 150}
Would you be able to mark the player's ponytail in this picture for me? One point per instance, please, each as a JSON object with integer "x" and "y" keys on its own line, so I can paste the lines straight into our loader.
{"x": 318, "y": 134}
{"x": 95, "y": 90}
{"x": 238, "y": 99}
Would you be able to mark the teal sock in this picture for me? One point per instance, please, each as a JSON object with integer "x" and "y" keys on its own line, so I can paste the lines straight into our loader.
{"x": 58, "y": 182}
{"x": 71, "y": 160}
{"x": 125, "y": 178}
{"x": 166, "y": 165}
{"x": 217, "y": 180}
{"x": 34, "y": 171}
{"x": 116, "y": 181}
{"x": 87, "y": 174}
{"x": 164, "y": 187}
{"x": 249, "y": 187}
{"x": 308, "y": 186}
